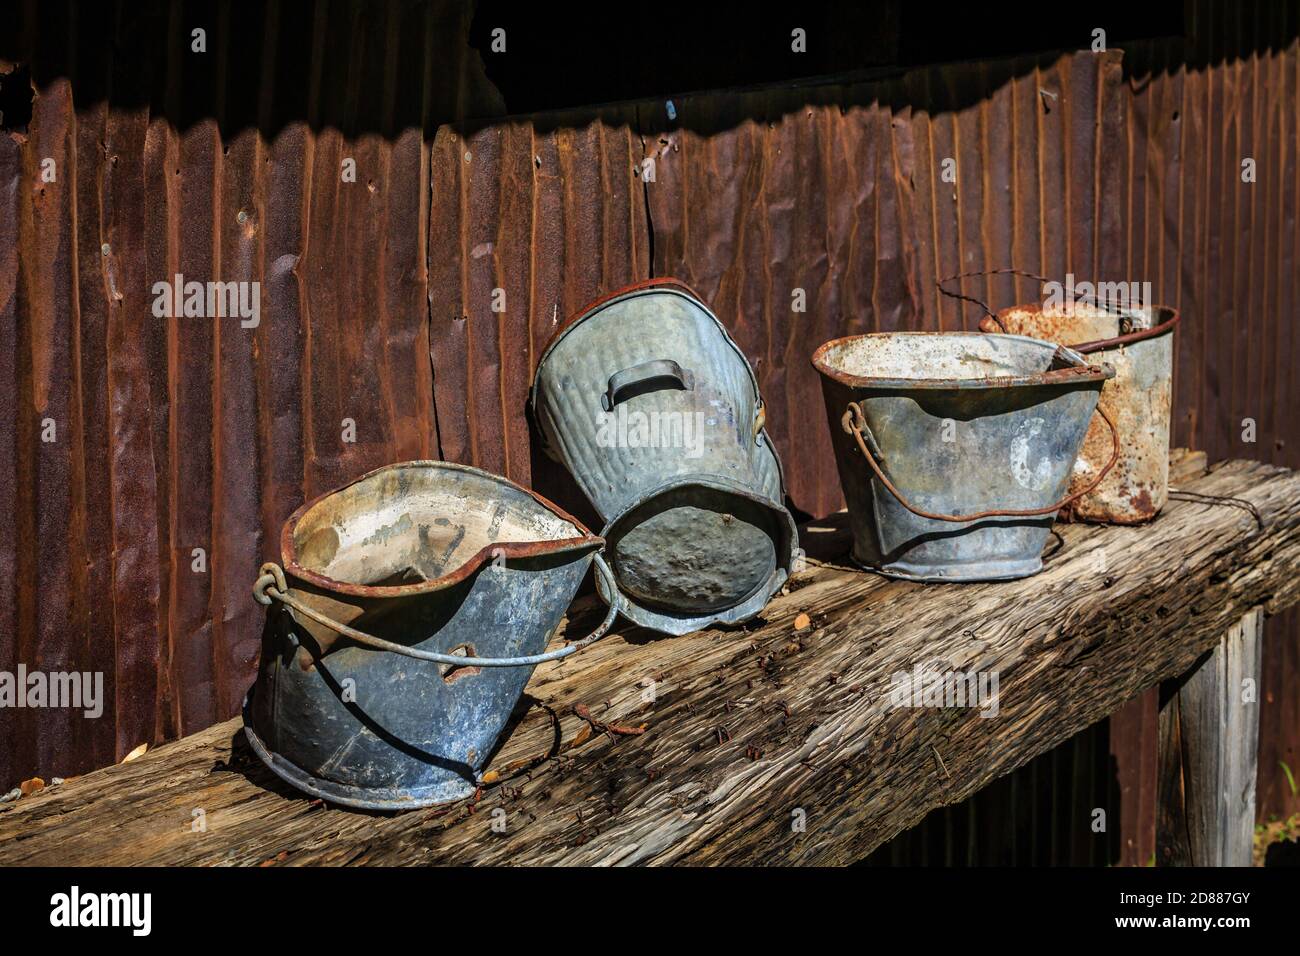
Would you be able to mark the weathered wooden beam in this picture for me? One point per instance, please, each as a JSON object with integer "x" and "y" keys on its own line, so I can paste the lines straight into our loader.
{"x": 1133, "y": 730}
{"x": 771, "y": 744}
{"x": 1209, "y": 733}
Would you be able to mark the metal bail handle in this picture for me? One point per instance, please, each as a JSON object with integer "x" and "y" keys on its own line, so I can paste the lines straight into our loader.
{"x": 854, "y": 423}
{"x": 271, "y": 585}
{"x": 991, "y": 322}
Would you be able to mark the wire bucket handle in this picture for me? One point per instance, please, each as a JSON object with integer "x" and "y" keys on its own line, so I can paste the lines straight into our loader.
{"x": 1121, "y": 314}
{"x": 271, "y": 585}
{"x": 854, "y": 422}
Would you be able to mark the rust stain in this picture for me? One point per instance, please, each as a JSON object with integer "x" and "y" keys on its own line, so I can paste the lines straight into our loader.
{"x": 1137, "y": 400}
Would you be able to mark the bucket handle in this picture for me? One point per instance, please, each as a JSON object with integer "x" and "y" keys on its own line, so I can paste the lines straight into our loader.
{"x": 628, "y": 380}
{"x": 980, "y": 302}
{"x": 992, "y": 323}
{"x": 271, "y": 585}
{"x": 854, "y": 423}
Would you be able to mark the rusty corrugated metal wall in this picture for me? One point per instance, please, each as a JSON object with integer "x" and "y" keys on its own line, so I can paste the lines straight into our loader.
{"x": 170, "y": 435}
{"x": 1224, "y": 251}
{"x": 377, "y": 296}
{"x": 840, "y": 192}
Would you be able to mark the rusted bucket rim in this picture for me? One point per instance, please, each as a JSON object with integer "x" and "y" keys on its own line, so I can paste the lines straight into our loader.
{"x": 510, "y": 549}
{"x": 1097, "y": 345}
{"x": 663, "y": 285}
{"x": 1078, "y": 371}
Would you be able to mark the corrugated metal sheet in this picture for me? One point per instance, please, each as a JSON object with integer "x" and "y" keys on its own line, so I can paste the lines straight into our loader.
{"x": 1223, "y": 251}
{"x": 1040, "y": 815}
{"x": 1105, "y": 168}
{"x": 533, "y": 219}
{"x": 181, "y": 434}
{"x": 378, "y": 296}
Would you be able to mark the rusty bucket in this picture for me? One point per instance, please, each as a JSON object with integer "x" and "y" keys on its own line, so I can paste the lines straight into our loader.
{"x": 414, "y": 604}
{"x": 1139, "y": 345}
{"x": 955, "y": 450}
{"x": 656, "y": 413}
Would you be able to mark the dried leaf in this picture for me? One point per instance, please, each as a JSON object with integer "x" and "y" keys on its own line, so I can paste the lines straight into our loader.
{"x": 28, "y": 787}
{"x": 137, "y": 752}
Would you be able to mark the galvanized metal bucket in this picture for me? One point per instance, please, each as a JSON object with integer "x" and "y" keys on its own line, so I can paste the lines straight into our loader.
{"x": 417, "y": 601}
{"x": 656, "y": 413}
{"x": 1139, "y": 345}
{"x": 955, "y": 449}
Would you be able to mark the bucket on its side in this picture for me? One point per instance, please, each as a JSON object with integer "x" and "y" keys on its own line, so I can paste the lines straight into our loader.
{"x": 417, "y": 600}
{"x": 1139, "y": 345}
{"x": 656, "y": 414}
{"x": 955, "y": 450}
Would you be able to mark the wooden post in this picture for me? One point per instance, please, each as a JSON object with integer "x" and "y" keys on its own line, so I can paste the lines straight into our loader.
{"x": 1209, "y": 731}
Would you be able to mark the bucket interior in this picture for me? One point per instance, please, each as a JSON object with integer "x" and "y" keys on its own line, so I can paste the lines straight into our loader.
{"x": 415, "y": 523}
{"x": 928, "y": 355}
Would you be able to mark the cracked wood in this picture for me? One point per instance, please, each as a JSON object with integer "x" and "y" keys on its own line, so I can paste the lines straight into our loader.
{"x": 744, "y": 727}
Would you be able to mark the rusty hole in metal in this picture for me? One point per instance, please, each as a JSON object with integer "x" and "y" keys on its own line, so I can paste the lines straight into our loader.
{"x": 451, "y": 673}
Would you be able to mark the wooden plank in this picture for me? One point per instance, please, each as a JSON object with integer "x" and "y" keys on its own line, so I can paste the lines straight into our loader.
{"x": 762, "y": 745}
{"x": 1209, "y": 732}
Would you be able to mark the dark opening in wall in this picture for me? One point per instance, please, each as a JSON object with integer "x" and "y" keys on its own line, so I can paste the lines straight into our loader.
{"x": 16, "y": 96}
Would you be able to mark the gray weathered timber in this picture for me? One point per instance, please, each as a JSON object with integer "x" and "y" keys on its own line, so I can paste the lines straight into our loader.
{"x": 1209, "y": 731}
{"x": 742, "y": 728}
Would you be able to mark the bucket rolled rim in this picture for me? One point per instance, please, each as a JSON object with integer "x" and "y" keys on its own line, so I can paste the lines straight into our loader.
{"x": 1100, "y": 345}
{"x": 1078, "y": 371}
{"x": 586, "y": 541}
{"x": 661, "y": 284}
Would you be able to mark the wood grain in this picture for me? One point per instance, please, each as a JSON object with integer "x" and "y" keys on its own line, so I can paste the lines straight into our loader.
{"x": 1209, "y": 735}
{"x": 748, "y": 731}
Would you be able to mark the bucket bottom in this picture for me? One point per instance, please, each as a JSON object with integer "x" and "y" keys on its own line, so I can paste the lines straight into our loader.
{"x": 698, "y": 551}
{"x": 1005, "y": 570}
{"x": 366, "y": 798}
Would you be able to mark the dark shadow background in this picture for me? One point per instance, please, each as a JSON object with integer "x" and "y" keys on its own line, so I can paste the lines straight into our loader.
{"x": 581, "y": 55}
{"x": 664, "y": 49}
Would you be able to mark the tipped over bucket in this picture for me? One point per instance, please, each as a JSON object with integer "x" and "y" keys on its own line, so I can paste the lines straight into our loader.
{"x": 411, "y": 609}
{"x": 656, "y": 413}
{"x": 955, "y": 450}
